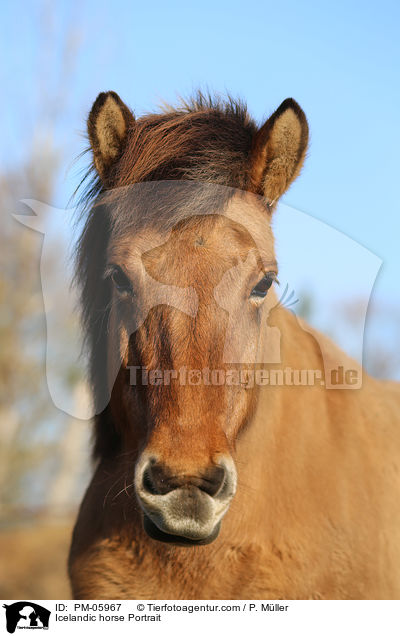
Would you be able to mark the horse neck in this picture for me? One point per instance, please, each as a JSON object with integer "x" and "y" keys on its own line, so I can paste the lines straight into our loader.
{"x": 281, "y": 411}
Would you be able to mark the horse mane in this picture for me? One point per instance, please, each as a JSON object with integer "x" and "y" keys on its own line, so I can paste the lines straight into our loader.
{"x": 203, "y": 139}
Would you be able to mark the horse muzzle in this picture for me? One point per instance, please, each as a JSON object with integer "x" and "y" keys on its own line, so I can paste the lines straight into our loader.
{"x": 184, "y": 509}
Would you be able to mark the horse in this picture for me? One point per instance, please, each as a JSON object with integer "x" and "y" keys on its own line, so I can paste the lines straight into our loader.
{"x": 231, "y": 483}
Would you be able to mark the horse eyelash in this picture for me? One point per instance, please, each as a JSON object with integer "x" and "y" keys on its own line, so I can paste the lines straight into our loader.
{"x": 108, "y": 272}
{"x": 273, "y": 276}
{"x": 288, "y": 298}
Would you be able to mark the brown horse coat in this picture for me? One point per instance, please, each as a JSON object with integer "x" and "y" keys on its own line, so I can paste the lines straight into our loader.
{"x": 315, "y": 512}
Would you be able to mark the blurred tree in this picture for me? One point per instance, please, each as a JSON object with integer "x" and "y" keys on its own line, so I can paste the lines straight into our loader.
{"x": 381, "y": 335}
{"x": 24, "y": 403}
{"x": 381, "y": 347}
{"x": 30, "y": 426}
{"x": 305, "y": 307}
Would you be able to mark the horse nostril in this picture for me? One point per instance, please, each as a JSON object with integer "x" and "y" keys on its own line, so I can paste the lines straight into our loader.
{"x": 158, "y": 480}
{"x": 212, "y": 480}
{"x": 148, "y": 484}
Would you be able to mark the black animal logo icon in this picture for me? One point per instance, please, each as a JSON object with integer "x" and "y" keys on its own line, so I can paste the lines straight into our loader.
{"x": 27, "y": 615}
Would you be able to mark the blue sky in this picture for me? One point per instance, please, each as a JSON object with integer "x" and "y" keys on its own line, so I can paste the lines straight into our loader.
{"x": 339, "y": 60}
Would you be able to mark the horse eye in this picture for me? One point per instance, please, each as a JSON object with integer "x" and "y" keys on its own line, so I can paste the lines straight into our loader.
{"x": 262, "y": 287}
{"x": 121, "y": 281}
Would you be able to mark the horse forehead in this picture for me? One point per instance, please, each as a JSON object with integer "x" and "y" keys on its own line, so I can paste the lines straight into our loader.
{"x": 214, "y": 239}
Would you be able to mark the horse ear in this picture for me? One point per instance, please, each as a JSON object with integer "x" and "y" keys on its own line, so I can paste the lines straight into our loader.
{"x": 108, "y": 124}
{"x": 278, "y": 151}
